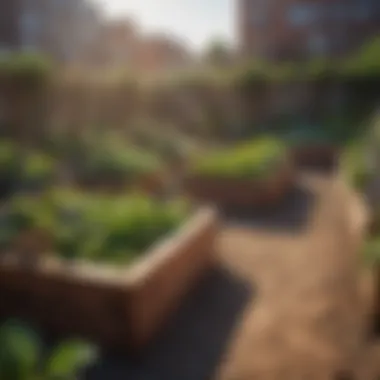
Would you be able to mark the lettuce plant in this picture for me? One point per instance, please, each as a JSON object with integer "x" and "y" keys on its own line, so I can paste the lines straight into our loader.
{"x": 24, "y": 357}
{"x": 254, "y": 160}
{"x": 94, "y": 227}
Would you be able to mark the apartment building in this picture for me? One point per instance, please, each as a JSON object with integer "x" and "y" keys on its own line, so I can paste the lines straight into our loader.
{"x": 162, "y": 53}
{"x": 59, "y": 28}
{"x": 300, "y": 29}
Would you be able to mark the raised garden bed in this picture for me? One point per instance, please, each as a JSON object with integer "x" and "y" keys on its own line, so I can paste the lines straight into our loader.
{"x": 311, "y": 149}
{"x": 315, "y": 155}
{"x": 258, "y": 174}
{"x": 119, "y": 302}
{"x": 119, "y": 168}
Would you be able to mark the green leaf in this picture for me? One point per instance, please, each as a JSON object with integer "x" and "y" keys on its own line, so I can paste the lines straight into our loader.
{"x": 69, "y": 358}
{"x": 19, "y": 351}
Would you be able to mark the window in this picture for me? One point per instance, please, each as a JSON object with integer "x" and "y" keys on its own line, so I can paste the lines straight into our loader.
{"x": 302, "y": 14}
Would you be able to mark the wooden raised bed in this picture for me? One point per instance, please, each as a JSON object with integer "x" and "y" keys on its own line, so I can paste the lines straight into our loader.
{"x": 151, "y": 184}
{"x": 242, "y": 192}
{"x": 318, "y": 155}
{"x": 117, "y": 308}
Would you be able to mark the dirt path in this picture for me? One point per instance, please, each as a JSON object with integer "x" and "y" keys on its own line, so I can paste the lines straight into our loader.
{"x": 283, "y": 303}
{"x": 307, "y": 320}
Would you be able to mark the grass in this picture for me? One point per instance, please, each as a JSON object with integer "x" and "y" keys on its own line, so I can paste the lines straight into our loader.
{"x": 256, "y": 160}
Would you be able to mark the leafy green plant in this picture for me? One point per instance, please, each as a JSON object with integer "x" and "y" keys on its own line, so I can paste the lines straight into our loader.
{"x": 116, "y": 163}
{"x": 25, "y": 71}
{"x": 356, "y": 166}
{"x": 38, "y": 170}
{"x": 254, "y": 160}
{"x": 23, "y": 169}
{"x": 371, "y": 252}
{"x": 10, "y": 166}
{"x": 23, "y": 356}
{"x": 94, "y": 227}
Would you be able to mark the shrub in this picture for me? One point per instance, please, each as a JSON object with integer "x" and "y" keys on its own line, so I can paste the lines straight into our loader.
{"x": 371, "y": 251}
{"x": 10, "y": 166}
{"x": 93, "y": 227}
{"x": 168, "y": 145}
{"x": 254, "y": 160}
{"x": 24, "y": 169}
{"x": 356, "y": 167}
{"x": 117, "y": 163}
{"x": 24, "y": 71}
{"x": 24, "y": 357}
{"x": 37, "y": 171}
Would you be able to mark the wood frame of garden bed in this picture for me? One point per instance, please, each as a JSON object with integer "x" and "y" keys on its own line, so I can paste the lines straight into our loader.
{"x": 317, "y": 154}
{"x": 228, "y": 192}
{"x": 150, "y": 184}
{"x": 118, "y": 309}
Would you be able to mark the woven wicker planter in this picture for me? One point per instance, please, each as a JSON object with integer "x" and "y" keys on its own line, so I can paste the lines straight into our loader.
{"x": 119, "y": 309}
{"x": 242, "y": 192}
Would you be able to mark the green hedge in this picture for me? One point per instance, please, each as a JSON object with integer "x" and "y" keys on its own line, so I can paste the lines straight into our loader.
{"x": 254, "y": 160}
{"x": 93, "y": 227}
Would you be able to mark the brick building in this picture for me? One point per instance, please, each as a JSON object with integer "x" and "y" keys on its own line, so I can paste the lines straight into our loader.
{"x": 59, "y": 28}
{"x": 160, "y": 53}
{"x": 117, "y": 44}
{"x": 300, "y": 29}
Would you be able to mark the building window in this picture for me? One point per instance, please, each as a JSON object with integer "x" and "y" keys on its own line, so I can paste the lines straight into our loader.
{"x": 302, "y": 14}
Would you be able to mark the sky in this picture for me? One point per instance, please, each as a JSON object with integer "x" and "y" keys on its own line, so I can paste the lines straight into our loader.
{"x": 196, "y": 21}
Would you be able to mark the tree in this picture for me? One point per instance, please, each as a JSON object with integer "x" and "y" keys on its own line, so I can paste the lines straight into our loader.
{"x": 217, "y": 52}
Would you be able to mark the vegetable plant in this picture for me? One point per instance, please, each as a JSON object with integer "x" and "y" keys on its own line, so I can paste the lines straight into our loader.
{"x": 356, "y": 166}
{"x": 38, "y": 170}
{"x": 24, "y": 357}
{"x": 24, "y": 169}
{"x": 111, "y": 163}
{"x": 94, "y": 227}
{"x": 10, "y": 166}
{"x": 254, "y": 160}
